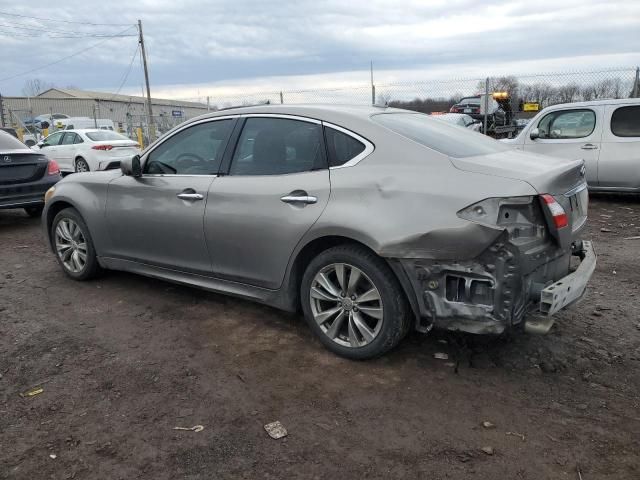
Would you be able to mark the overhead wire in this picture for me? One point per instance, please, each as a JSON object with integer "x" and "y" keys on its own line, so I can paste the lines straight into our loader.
{"x": 9, "y": 14}
{"x": 75, "y": 54}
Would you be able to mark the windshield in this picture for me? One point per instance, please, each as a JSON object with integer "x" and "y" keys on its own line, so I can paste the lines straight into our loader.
{"x": 439, "y": 136}
{"x": 105, "y": 135}
{"x": 9, "y": 142}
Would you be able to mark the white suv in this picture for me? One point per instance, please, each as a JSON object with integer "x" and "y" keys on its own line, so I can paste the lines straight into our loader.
{"x": 605, "y": 133}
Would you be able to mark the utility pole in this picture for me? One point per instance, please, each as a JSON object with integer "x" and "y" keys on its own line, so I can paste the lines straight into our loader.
{"x": 152, "y": 130}
{"x": 373, "y": 87}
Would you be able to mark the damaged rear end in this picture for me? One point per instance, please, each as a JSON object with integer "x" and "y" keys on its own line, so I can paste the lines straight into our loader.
{"x": 535, "y": 263}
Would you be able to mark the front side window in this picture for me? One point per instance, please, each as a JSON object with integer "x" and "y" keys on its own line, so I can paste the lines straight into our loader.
{"x": 625, "y": 122}
{"x": 68, "y": 139}
{"x": 278, "y": 146}
{"x": 565, "y": 124}
{"x": 196, "y": 150}
{"x": 53, "y": 139}
{"x": 341, "y": 147}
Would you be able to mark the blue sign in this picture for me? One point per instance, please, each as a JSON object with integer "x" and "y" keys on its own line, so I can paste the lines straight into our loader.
{"x": 176, "y": 113}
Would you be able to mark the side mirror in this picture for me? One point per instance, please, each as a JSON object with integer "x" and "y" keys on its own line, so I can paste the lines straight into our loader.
{"x": 42, "y": 144}
{"x": 535, "y": 133}
{"x": 131, "y": 167}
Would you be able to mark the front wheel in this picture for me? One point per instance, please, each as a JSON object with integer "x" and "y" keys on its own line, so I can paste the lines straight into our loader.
{"x": 352, "y": 301}
{"x": 73, "y": 245}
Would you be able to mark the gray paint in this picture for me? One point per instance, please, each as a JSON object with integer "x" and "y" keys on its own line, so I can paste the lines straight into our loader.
{"x": 400, "y": 201}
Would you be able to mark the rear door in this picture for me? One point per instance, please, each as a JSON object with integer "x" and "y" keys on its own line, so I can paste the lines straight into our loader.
{"x": 572, "y": 133}
{"x": 275, "y": 187}
{"x": 157, "y": 218}
{"x": 619, "y": 165}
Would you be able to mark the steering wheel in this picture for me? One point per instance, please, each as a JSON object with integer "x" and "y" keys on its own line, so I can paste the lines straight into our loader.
{"x": 186, "y": 160}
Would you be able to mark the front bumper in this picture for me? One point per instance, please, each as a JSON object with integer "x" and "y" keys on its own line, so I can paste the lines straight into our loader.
{"x": 497, "y": 290}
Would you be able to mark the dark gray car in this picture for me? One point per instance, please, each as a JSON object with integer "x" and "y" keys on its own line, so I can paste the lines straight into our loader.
{"x": 25, "y": 176}
{"x": 370, "y": 220}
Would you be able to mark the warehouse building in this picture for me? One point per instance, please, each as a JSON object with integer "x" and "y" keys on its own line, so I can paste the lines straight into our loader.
{"x": 127, "y": 112}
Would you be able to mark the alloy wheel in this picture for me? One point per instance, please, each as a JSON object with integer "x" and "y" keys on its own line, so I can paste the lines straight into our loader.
{"x": 346, "y": 305}
{"x": 81, "y": 166}
{"x": 71, "y": 246}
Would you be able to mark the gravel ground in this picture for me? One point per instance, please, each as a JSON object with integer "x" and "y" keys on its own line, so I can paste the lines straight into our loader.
{"x": 125, "y": 359}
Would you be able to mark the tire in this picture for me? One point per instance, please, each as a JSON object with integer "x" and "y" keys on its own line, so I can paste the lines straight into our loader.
{"x": 68, "y": 236}
{"x": 81, "y": 165}
{"x": 348, "y": 337}
{"x": 34, "y": 212}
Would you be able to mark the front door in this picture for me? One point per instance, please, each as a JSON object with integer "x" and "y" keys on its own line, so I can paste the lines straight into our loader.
{"x": 570, "y": 133}
{"x": 50, "y": 147}
{"x": 65, "y": 151}
{"x": 276, "y": 187}
{"x": 157, "y": 219}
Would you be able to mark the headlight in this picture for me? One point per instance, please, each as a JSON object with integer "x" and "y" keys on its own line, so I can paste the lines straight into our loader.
{"x": 49, "y": 194}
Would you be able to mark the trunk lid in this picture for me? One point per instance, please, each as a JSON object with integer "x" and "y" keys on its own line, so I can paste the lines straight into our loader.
{"x": 21, "y": 166}
{"x": 552, "y": 175}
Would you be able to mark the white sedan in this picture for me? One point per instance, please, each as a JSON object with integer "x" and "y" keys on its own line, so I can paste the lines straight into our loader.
{"x": 88, "y": 149}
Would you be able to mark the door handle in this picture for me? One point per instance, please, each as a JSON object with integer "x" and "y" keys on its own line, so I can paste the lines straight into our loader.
{"x": 307, "y": 199}
{"x": 589, "y": 146}
{"x": 190, "y": 197}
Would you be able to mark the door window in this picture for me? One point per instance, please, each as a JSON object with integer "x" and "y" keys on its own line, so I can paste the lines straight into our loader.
{"x": 625, "y": 122}
{"x": 565, "y": 124}
{"x": 68, "y": 139}
{"x": 54, "y": 139}
{"x": 341, "y": 147}
{"x": 277, "y": 146}
{"x": 196, "y": 150}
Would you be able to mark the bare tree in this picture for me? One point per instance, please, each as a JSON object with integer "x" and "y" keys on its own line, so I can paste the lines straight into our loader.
{"x": 35, "y": 86}
{"x": 568, "y": 93}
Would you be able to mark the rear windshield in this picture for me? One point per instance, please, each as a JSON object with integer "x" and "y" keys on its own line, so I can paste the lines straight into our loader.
{"x": 439, "y": 136}
{"x": 9, "y": 142}
{"x": 105, "y": 135}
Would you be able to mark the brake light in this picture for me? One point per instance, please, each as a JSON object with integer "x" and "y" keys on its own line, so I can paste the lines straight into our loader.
{"x": 102, "y": 147}
{"x": 54, "y": 168}
{"x": 560, "y": 218}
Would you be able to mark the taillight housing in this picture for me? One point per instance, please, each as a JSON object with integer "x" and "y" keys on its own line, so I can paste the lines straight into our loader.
{"x": 556, "y": 210}
{"x": 53, "y": 168}
{"x": 102, "y": 147}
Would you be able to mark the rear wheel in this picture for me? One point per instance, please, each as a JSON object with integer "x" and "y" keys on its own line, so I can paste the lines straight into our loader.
{"x": 73, "y": 245}
{"x": 34, "y": 212}
{"x": 82, "y": 165}
{"x": 353, "y": 302}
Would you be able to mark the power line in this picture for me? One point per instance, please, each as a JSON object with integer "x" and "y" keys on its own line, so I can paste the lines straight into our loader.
{"x": 64, "y": 21}
{"x": 64, "y": 58}
{"x": 126, "y": 75}
{"x": 47, "y": 30}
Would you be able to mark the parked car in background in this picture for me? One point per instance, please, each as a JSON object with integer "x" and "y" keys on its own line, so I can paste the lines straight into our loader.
{"x": 605, "y": 133}
{"x": 372, "y": 220}
{"x": 25, "y": 176}
{"x": 88, "y": 150}
{"x": 76, "y": 123}
{"x": 460, "y": 119}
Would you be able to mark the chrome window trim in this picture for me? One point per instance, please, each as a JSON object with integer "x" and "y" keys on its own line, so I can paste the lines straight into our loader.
{"x": 172, "y": 175}
{"x": 368, "y": 146}
{"x": 281, "y": 115}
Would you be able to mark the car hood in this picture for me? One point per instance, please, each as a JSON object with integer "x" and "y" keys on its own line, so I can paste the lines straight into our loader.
{"x": 545, "y": 174}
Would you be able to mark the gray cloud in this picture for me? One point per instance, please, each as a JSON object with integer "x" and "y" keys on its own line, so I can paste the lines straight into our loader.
{"x": 206, "y": 42}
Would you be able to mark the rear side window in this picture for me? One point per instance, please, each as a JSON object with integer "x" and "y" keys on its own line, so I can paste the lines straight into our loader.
{"x": 625, "y": 122}
{"x": 565, "y": 124}
{"x": 278, "y": 146}
{"x": 448, "y": 139}
{"x": 68, "y": 139}
{"x": 341, "y": 147}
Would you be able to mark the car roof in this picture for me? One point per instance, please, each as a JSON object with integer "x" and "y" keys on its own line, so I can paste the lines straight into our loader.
{"x": 319, "y": 111}
{"x": 591, "y": 103}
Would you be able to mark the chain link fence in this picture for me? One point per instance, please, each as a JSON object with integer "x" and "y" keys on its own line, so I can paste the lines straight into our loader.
{"x": 526, "y": 95}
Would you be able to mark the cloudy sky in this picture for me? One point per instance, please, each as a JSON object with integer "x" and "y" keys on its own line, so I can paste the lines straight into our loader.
{"x": 202, "y": 47}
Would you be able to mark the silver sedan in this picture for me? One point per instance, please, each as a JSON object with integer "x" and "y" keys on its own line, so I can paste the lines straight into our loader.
{"x": 370, "y": 220}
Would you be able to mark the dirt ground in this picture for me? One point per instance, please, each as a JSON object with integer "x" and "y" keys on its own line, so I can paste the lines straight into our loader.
{"x": 125, "y": 359}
